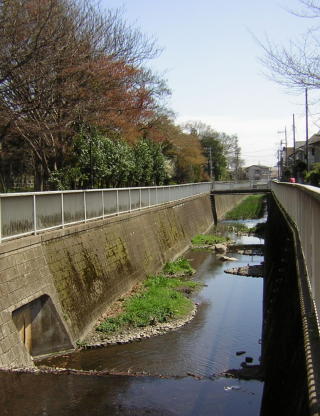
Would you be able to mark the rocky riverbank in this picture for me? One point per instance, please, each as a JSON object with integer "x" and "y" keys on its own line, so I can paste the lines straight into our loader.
{"x": 97, "y": 339}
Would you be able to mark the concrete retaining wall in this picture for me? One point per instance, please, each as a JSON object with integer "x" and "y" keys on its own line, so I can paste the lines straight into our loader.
{"x": 224, "y": 203}
{"x": 82, "y": 269}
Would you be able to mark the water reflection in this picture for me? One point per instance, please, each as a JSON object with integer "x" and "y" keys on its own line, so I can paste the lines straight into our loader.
{"x": 70, "y": 395}
{"x": 228, "y": 320}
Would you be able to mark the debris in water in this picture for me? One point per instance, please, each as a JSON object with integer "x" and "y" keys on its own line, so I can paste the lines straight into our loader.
{"x": 227, "y": 388}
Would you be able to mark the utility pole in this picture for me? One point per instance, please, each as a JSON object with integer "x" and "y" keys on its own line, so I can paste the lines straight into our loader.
{"x": 210, "y": 163}
{"x": 286, "y": 147}
{"x": 294, "y": 145}
{"x": 237, "y": 163}
{"x": 286, "y": 141}
{"x": 281, "y": 159}
{"x": 307, "y": 129}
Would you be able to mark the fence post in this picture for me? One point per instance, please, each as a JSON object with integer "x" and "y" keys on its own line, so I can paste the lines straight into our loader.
{"x": 102, "y": 204}
{"x": 0, "y": 221}
{"x": 129, "y": 200}
{"x": 140, "y": 196}
{"x": 34, "y": 215}
{"x": 62, "y": 210}
{"x": 117, "y": 202}
{"x": 85, "y": 206}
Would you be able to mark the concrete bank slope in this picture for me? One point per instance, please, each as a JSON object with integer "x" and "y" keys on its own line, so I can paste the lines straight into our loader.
{"x": 55, "y": 285}
{"x": 221, "y": 204}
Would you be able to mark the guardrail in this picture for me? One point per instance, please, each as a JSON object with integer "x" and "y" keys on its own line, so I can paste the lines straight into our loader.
{"x": 302, "y": 205}
{"x": 29, "y": 213}
{"x": 240, "y": 185}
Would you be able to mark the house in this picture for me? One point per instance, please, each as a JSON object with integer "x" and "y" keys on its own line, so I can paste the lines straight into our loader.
{"x": 258, "y": 172}
{"x": 300, "y": 154}
{"x": 314, "y": 149}
{"x": 290, "y": 155}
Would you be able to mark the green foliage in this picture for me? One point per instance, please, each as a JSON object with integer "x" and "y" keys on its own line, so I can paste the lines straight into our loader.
{"x": 179, "y": 267}
{"x": 149, "y": 167}
{"x": 250, "y": 208}
{"x": 238, "y": 228}
{"x": 202, "y": 239}
{"x": 158, "y": 302}
{"x": 172, "y": 282}
{"x": 218, "y": 158}
{"x": 110, "y": 163}
{"x": 313, "y": 177}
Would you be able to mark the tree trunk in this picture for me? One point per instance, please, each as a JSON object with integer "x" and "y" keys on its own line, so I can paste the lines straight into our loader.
{"x": 38, "y": 175}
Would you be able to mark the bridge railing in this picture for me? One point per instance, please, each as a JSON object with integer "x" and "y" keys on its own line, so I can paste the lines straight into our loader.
{"x": 302, "y": 204}
{"x": 240, "y": 185}
{"x": 29, "y": 213}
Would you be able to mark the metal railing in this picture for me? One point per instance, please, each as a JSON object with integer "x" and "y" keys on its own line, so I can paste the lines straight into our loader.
{"x": 29, "y": 213}
{"x": 240, "y": 185}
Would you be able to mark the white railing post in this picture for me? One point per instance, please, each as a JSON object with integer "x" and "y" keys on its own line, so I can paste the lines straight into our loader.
{"x": 140, "y": 196}
{"x": 34, "y": 215}
{"x": 85, "y": 206}
{"x": 62, "y": 210}
{"x": 117, "y": 202}
{"x": 129, "y": 200}
{"x": 102, "y": 199}
{"x": 156, "y": 195}
{"x": 149, "y": 197}
{"x": 0, "y": 221}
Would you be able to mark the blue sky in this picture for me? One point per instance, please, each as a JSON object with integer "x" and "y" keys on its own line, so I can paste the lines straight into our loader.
{"x": 210, "y": 60}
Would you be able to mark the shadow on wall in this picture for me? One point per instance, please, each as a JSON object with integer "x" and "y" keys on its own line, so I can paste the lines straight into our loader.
{"x": 40, "y": 327}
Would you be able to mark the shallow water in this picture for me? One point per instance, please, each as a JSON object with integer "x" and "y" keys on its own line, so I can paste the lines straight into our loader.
{"x": 228, "y": 320}
{"x": 71, "y": 395}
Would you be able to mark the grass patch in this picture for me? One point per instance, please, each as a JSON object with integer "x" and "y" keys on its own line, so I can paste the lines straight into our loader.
{"x": 250, "y": 208}
{"x": 210, "y": 239}
{"x": 180, "y": 267}
{"x": 238, "y": 228}
{"x": 159, "y": 302}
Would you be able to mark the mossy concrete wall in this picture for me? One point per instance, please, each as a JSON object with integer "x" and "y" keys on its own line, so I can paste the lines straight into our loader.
{"x": 83, "y": 268}
{"x": 224, "y": 203}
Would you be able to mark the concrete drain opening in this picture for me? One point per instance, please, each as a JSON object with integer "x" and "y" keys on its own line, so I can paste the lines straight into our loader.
{"x": 40, "y": 327}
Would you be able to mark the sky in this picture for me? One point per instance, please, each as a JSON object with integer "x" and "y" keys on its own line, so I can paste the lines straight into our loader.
{"x": 210, "y": 60}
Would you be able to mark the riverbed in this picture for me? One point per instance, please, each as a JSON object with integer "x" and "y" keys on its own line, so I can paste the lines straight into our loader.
{"x": 183, "y": 367}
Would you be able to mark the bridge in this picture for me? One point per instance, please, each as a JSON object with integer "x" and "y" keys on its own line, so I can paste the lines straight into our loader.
{"x": 238, "y": 187}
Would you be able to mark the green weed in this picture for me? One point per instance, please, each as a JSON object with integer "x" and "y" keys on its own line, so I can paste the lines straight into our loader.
{"x": 158, "y": 302}
{"x": 210, "y": 239}
{"x": 250, "y": 208}
{"x": 178, "y": 267}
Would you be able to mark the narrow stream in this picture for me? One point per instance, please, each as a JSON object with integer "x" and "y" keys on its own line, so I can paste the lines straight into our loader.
{"x": 228, "y": 321}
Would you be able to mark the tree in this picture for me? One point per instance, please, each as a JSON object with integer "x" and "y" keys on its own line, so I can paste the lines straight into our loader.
{"x": 214, "y": 151}
{"x": 64, "y": 64}
{"x": 225, "y": 150}
{"x": 297, "y": 65}
{"x": 232, "y": 152}
{"x": 101, "y": 162}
